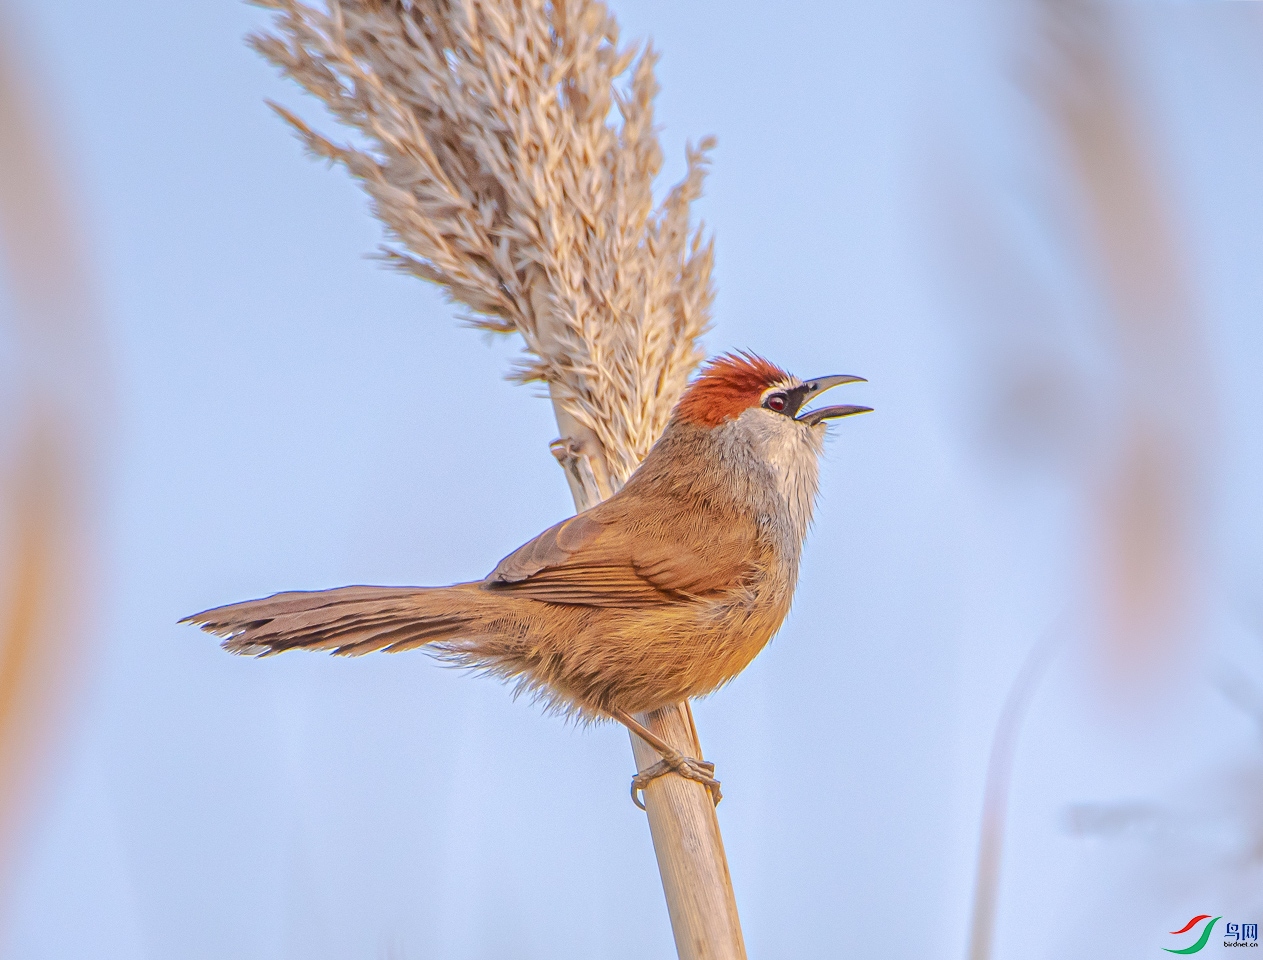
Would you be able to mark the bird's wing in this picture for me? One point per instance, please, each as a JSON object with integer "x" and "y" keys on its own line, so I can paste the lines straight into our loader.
{"x": 604, "y": 557}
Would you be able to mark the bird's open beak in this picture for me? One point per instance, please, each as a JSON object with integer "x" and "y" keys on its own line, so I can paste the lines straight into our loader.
{"x": 820, "y": 385}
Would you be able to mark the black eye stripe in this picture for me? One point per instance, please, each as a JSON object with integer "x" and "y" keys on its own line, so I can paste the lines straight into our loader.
{"x": 789, "y": 400}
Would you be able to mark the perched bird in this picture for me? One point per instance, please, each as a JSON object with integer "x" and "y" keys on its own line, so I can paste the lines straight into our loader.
{"x": 664, "y": 591}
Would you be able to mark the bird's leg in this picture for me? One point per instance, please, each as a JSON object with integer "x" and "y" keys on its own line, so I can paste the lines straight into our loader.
{"x": 672, "y": 761}
{"x": 697, "y": 741}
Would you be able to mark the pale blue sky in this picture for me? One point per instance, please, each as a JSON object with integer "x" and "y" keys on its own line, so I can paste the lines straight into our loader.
{"x": 292, "y": 416}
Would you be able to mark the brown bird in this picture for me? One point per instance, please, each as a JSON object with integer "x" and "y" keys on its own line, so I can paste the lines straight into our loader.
{"x": 665, "y": 591}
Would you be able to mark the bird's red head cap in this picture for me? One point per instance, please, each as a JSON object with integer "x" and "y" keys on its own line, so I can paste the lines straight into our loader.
{"x": 726, "y": 387}
{"x": 730, "y": 384}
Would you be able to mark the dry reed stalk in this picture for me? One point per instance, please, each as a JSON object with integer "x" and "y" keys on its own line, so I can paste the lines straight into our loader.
{"x": 486, "y": 146}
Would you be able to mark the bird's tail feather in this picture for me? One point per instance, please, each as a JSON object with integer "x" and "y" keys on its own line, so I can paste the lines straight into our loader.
{"x": 348, "y": 620}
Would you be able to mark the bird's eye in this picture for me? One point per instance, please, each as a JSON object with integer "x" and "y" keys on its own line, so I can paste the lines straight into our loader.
{"x": 776, "y": 402}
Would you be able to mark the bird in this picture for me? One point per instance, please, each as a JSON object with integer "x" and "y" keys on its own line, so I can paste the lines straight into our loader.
{"x": 663, "y": 592}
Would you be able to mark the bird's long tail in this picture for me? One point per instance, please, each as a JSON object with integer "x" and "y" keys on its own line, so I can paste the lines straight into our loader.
{"x": 348, "y": 620}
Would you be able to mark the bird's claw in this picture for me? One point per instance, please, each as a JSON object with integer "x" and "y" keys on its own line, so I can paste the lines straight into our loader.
{"x": 703, "y": 771}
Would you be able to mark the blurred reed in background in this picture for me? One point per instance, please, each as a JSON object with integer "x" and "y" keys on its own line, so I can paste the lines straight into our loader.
{"x": 1144, "y": 476}
{"x": 1136, "y": 461}
{"x": 55, "y": 402}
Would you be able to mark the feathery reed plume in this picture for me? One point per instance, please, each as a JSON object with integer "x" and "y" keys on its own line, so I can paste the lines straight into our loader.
{"x": 487, "y": 151}
{"x": 488, "y": 147}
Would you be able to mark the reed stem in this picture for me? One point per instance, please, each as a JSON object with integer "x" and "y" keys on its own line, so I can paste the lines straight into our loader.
{"x": 682, "y": 820}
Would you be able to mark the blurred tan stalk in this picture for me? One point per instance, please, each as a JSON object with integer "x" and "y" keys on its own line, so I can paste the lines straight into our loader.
{"x": 47, "y": 568}
{"x": 488, "y": 146}
{"x": 1142, "y": 493}
{"x": 995, "y": 797}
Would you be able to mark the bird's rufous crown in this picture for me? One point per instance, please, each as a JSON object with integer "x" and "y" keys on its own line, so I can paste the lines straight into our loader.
{"x": 727, "y": 386}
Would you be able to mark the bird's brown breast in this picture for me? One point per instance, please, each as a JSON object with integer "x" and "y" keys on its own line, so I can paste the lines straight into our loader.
{"x": 665, "y": 591}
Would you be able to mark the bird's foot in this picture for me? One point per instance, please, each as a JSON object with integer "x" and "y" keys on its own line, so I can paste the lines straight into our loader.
{"x": 703, "y": 771}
